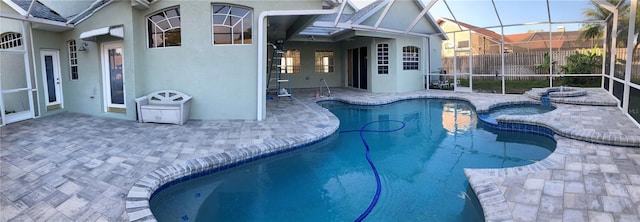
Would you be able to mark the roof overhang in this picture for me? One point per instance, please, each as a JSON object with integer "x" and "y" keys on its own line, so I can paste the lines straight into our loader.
{"x": 115, "y": 31}
{"x": 38, "y": 23}
{"x": 142, "y": 4}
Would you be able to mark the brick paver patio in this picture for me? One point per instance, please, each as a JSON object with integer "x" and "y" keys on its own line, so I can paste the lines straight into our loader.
{"x": 74, "y": 167}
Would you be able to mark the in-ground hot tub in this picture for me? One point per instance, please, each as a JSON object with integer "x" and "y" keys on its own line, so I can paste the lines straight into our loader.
{"x": 520, "y": 109}
{"x": 563, "y": 91}
{"x": 514, "y": 109}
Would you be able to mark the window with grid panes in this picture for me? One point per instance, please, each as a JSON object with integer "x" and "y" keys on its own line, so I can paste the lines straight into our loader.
{"x": 383, "y": 58}
{"x": 73, "y": 60}
{"x": 410, "y": 58}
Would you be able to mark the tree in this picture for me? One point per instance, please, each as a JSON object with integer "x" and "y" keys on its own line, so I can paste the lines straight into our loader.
{"x": 543, "y": 68}
{"x": 596, "y": 12}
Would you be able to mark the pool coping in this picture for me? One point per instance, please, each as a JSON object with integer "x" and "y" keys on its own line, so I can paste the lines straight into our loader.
{"x": 493, "y": 202}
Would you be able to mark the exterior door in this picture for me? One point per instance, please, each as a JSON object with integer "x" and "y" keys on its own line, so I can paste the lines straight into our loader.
{"x": 363, "y": 68}
{"x": 16, "y": 92}
{"x": 357, "y": 67}
{"x": 51, "y": 78}
{"x": 113, "y": 77}
{"x": 462, "y": 62}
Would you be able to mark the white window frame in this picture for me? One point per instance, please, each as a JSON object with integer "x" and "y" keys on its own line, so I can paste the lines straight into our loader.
{"x": 73, "y": 60}
{"x": 325, "y": 63}
{"x": 241, "y": 23}
{"x": 168, "y": 20}
{"x": 410, "y": 58}
{"x": 290, "y": 63}
{"x": 382, "y": 50}
{"x": 10, "y": 40}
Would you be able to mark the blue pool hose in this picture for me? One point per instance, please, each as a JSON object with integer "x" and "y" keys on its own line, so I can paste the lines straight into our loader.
{"x": 362, "y": 130}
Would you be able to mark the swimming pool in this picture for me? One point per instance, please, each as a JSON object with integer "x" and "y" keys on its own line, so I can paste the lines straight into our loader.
{"x": 420, "y": 167}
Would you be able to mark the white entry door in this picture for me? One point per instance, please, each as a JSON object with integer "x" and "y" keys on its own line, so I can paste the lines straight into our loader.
{"x": 113, "y": 77}
{"x": 51, "y": 78}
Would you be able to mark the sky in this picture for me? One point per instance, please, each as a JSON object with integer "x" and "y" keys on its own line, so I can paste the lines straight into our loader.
{"x": 482, "y": 14}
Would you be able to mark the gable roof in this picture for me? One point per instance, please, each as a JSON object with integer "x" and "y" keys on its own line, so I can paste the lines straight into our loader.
{"x": 362, "y": 19}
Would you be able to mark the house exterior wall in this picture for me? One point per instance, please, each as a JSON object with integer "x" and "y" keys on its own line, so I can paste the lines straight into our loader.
{"x": 43, "y": 40}
{"x": 221, "y": 78}
{"x": 86, "y": 95}
{"x": 410, "y": 80}
{"x": 384, "y": 82}
{"x": 398, "y": 79}
{"x": 359, "y": 42}
{"x": 308, "y": 77}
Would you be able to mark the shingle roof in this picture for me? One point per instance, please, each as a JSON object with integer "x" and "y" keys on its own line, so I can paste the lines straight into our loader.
{"x": 39, "y": 10}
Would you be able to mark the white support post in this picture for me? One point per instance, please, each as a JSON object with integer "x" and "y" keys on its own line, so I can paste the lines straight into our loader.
{"x": 550, "y": 55}
{"x": 501, "y": 43}
{"x": 604, "y": 55}
{"x": 502, "y": 58}
{"x": 470, "y": 65}
{"x": 630, "y": 44}
{"x": 612, "y": 60}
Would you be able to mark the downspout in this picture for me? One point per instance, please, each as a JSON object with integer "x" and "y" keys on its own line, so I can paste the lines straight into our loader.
{"x": 261, "y": 48}
{"x": 426, "y": 42}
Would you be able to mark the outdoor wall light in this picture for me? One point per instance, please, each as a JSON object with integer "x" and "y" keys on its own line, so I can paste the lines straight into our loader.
{"x": 83, "y": 46}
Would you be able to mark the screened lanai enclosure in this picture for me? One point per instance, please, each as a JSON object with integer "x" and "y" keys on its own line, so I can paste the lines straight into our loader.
{"x": 509, "y": 47}
{"x": 492, "y": 46}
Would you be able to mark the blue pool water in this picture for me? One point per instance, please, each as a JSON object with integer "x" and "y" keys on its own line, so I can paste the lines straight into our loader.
{"x": 420, "y": 167}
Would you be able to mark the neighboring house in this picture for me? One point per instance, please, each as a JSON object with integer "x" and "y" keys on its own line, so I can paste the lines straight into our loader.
{"x": 97, "y": 57}
{"x": 539, "y": 41}
{"x": 471, "y": 39}
{"x": 481, "y": 41}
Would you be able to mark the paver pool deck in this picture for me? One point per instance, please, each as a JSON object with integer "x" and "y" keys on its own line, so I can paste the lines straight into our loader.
{"x": 75, "y": 167}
